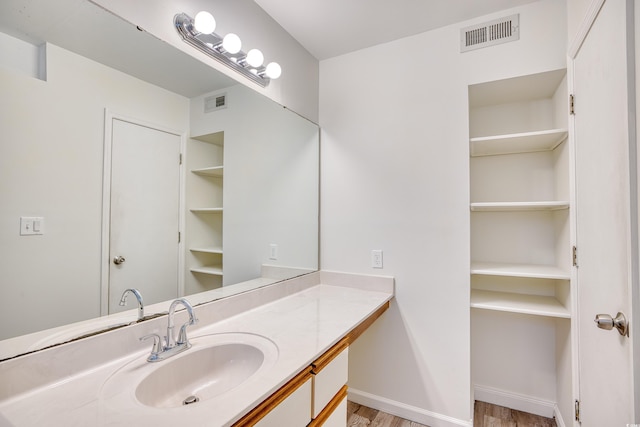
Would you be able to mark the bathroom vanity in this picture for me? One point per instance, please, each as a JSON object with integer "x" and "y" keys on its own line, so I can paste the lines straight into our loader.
{"x": 276, "y": 353}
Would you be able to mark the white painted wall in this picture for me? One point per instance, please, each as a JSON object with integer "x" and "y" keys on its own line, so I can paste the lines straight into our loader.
{"x": 395, "y": 177}
{"x": 297, "y": 88}
{"x": 271, "y": 174}
{"x": 51, "y": 160}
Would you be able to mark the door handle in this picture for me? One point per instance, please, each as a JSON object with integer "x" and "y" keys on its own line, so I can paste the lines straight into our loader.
{"x": 620, "y": 322}
{"x": 118, "y": 260}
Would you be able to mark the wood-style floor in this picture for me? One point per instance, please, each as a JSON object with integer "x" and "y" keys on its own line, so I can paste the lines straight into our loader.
{"x": 485, "y": 415}
{"x": 361, "y": 416}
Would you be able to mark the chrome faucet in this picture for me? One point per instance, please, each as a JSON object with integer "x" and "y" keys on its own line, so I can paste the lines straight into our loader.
{"x": 136, "y": 293}
{"x": 172, "y": 346}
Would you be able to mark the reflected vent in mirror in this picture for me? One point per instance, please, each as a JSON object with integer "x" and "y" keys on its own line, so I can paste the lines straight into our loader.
{"x": 490, "y": 33}
{"x": 215, "y": 102}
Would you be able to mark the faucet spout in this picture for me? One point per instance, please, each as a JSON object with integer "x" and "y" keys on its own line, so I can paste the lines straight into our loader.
{"x": 138, "y": 295}
{"x": 182, "y": 338}
{"x": 172, "y": 346}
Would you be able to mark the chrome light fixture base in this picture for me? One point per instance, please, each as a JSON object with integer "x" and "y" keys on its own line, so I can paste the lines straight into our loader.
{"x": 211, "y": 45}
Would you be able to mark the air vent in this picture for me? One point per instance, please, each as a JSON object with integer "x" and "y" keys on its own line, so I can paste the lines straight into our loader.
{"x": 215, "y": 102}
{"x": 490, "y": 33}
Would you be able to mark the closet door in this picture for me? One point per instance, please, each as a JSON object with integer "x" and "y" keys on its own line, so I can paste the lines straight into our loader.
{"x": 604, "y": 233}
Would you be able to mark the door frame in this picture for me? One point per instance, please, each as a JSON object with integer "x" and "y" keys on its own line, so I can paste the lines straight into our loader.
{"x": 105, "y": 261}
{"x": 582, "y": 32}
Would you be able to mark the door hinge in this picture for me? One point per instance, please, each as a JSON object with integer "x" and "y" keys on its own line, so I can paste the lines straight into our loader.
{"x": 179, "y": 236}
{"x": 577, "y": 410}
{"x": 572, "y": 105}
{"x": 180, "y": 159}
{"x": 574, "y": 256}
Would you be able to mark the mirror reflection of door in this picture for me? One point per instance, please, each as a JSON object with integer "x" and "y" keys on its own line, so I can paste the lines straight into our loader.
{"x": 144, "y": 214}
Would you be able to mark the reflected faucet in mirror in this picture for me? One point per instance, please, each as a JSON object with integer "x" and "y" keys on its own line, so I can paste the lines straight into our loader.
{"x": 172, "y": 346}
{"x": 136, "y": 293}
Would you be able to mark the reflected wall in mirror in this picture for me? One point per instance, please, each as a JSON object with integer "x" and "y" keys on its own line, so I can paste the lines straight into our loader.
{"x": 249, "y": 176}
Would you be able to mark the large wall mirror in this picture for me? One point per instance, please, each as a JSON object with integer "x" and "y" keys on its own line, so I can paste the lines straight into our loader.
{"x": 125, "y": 163}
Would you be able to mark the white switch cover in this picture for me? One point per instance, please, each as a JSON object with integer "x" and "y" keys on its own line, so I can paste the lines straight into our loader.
{"x": 273, "y": 251}
{"x": 31, "y": 225}
{"x": 376, "y": 258}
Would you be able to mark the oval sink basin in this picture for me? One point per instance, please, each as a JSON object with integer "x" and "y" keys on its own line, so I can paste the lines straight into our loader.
{"x": 204, "y": 373}
{"x": 212, "y": 367}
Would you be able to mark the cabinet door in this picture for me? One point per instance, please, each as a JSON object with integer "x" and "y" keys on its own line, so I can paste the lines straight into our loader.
{"x": 328, "y": 381}
{"x": 338, "y": 417}
{"x": 294, "y": 411}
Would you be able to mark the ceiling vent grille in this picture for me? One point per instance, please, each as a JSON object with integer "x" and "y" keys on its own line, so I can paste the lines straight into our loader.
{"x": 490, "y": 33}
{"x": 215, "y": 102}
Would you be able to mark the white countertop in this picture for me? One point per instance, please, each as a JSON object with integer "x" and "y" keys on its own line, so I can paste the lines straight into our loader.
{"x": 302, "y": 325}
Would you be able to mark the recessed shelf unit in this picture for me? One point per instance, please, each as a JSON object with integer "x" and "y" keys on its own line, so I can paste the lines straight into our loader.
{"x": 521, "y": 222}
{"x": 205, "y": 162}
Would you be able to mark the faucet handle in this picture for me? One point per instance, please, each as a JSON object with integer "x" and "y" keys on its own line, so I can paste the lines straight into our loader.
{"x": 157, "y": 346}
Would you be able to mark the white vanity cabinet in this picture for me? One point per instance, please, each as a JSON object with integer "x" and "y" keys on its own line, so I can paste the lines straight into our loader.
{"x": 521, "y": 243}
{"x": 204, "y": 199}
{"x": 315, "y": 397}
{"x": 330, "y": 373}
{"x": 294, "y": 410}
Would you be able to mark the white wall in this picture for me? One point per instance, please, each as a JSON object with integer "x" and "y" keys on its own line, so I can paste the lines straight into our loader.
{"x": 297, "y": 88}
{"x": 51, "y": 160}
{"x": 395, "y": 177}
{"x": 271, "y": 174}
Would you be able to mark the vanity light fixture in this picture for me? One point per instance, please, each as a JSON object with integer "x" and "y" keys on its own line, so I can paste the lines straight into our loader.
{"x": 199, "y": 33}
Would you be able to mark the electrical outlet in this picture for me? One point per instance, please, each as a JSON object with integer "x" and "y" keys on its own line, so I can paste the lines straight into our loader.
{"x": 376, "y": 258}
{"x": 273, "y": 251}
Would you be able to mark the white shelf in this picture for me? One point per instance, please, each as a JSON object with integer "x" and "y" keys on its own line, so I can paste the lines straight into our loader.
{"x": 206, "y": 210}
{"x": 518, "y": 206}
{"x": 216, "y": 138}
{"x": 518, "y": 303}
{"x": 216, "y": 171}
{"x": 527, "y": 142}
{"x": 534, "y": 271}
{"x": 211, "y": 270}
{"x": 212, "y": 250}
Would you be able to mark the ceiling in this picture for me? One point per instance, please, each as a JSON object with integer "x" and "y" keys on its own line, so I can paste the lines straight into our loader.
{"x": 328, "y": 28}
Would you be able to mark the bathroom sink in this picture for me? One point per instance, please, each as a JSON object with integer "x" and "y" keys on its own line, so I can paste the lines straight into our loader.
{"x": 212, "y": 367}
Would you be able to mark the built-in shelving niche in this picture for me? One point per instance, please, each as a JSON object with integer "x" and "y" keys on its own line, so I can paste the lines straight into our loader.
{"x": 205, "y": 204}
{"x": 520, "y": 243}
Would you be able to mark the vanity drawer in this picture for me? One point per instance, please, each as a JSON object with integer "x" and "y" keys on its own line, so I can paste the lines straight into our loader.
{"x": 295, "y": 410}
{"x": 330, "y": 374}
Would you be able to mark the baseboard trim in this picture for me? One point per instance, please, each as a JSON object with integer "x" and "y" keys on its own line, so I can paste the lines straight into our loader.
{"x": 520, "y": 402}
{"x": 402, "y": 410}
{"x": 558, "y": 416}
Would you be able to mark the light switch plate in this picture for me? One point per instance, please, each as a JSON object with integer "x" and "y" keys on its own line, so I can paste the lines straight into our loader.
{"x": 31, "y": 225}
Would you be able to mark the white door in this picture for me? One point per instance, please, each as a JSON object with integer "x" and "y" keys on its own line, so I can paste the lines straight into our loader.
{"x": 603, "y": 215}
{"x": 145, "y": 185}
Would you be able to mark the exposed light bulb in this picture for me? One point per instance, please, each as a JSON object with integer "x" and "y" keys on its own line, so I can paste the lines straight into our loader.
{"x": 231, "y": 43}
{"x": 255, "y": 58}
{"x": 204, "y": 22}
{"x": 273, "y": 70}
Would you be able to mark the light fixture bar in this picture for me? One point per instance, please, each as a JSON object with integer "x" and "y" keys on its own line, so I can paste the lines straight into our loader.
{"x": 211, "y": 45}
